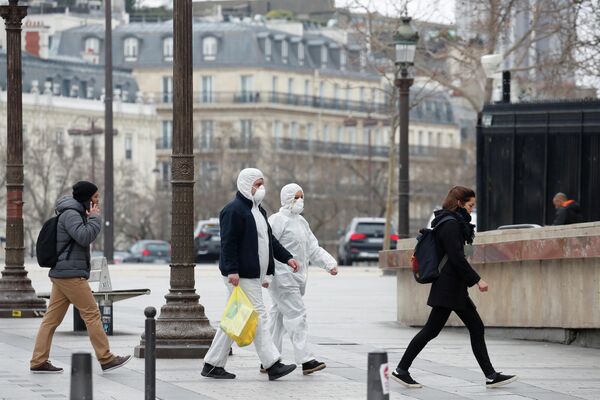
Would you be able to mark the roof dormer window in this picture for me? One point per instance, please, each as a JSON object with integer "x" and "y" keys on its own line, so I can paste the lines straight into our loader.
{"x": 268, "y": 49}
{"x": 92, "y": 46}
{"x": 209, "y": 48}
{"x": 324, "y": 55}
{"x": 284, "y": 51}
{"x": 168, "y": 48}
{"x": 301, "y": 53}
{"x": 130, "y": 49}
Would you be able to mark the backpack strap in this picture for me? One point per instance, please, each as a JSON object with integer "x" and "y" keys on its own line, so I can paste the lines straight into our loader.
{"x": 444, "y": 260}
{"x": 71, "y": 242}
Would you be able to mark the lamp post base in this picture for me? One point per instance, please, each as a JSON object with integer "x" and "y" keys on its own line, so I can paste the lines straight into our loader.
{"x": 17, "y": 296}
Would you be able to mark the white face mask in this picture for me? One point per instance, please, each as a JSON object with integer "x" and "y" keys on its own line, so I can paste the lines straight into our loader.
{"x": 298, "y": 206}
{"x": 259, "y": 195}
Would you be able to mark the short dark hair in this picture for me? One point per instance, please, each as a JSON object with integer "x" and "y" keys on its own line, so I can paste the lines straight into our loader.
{"x": 456, "y": 194}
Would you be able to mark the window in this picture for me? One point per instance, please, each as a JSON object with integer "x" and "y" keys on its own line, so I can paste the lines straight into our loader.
{"x": 322, "y": 91}
{"x": 310, "y": 129}
{"x": 293, "y": 131}
{"x": 277, "y": 132}
{"x": 340, "y": 134}
{"x": 247, "y": 84}
{"x": 128, "y": 147}
{"x": 324, "y": 59}
{"x": 130, "y": 49}
{"x": 351, "y": 134}
{"x": 343, "y": 59}
{"x": 363, "y": 60}
{"x": 246, "y": 132}
{"x": 301, "y": 53}
{"x": 206, "y": 134}
{"x": 268, "y": 49}
{"x": 166, "y": 139}
{"x": 325, "y": 133}
{"x": 207, "y": 89}
{"x": 348, "y": 95}
{"x": 307, "y": 92}
{"x": 284, "y": 51}
{"x": 166, "y": 172}
{"x": 92, "y": 46}
{"x": 76, "y": 146}
{"x": 439, "y": 139}
{"x": 168, "y": 48}
{"x": 367, "y": 136}
{"x": 60, "y": 141}
{"x": 274, "y": 88}
{"x": 291, "y": 90}
{"x": 420, "y": 140}
{"x": 336, "y": 94}
{"x": 209, "y": 48}
{"x": 167, "y": 89}
{"x": 429, "y": 138}
{"x": 450, "y": 140}
{"x": 361, "y": 96}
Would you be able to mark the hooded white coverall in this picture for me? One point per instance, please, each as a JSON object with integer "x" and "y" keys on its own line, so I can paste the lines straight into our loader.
{"x": 263, "y": 343}
{"x": 288, "y": 313}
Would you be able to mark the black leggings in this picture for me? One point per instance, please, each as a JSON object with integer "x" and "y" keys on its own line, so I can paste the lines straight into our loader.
{"x": 435, "y": 323}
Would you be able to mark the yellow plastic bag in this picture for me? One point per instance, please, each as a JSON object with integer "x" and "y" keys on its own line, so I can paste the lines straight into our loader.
{"x": 239, "y": 319}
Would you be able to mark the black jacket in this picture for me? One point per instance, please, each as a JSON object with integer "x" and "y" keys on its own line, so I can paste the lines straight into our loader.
{"x": 239, "y": 241}
{"x": 569, "y": 214}
{"x": 450, "y": 289}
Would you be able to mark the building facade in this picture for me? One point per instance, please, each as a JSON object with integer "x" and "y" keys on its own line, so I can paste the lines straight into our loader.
{"x": 299, "y": 105}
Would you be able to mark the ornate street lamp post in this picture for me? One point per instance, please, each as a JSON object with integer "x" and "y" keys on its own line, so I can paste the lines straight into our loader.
{"x": 405, "y": 43}
{"x": 17, "y": 297}
{"x": 182, "y": 329}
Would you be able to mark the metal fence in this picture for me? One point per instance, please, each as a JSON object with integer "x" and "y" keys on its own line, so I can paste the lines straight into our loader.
{"x": 528, "y": 152}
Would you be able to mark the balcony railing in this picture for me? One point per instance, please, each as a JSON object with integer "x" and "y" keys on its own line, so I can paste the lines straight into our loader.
{"x": 281, "y": 98}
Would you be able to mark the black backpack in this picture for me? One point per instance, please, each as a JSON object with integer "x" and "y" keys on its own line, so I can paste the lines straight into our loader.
{"x": 425, "y": 264}
{"x": 45, "y": 247}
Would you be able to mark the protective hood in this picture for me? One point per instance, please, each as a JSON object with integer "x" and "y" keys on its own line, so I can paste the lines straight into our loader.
{"x": 246, "y": 179}
{"x": 288, "y": 193}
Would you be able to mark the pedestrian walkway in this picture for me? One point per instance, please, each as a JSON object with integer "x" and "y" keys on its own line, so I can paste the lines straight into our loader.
{"x": 349, "y": 315}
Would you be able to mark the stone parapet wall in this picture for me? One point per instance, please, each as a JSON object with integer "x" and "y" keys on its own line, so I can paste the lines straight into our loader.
{"x": 539, "y": 278}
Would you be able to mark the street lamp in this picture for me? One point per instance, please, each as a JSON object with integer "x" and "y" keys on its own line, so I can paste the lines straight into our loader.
{"x": 17, "y": 296}
{"x": 405, "y": 43}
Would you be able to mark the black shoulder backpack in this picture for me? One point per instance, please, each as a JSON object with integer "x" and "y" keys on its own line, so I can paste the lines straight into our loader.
{"x": 45, "y": 247}
{"x": 425, "y": 264}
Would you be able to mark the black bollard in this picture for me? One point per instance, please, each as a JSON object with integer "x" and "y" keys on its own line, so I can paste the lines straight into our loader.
{"x": 150, "y": 353}
{"x": 81, "y": 376}
{"x": 378, "y": 384}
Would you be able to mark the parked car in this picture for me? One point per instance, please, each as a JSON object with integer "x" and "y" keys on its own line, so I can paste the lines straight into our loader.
{"x": 118, "y": 255}
{"x": 363, "y": 240}
{"x": 207, "y": 240}
{"x": 149, "y": 251}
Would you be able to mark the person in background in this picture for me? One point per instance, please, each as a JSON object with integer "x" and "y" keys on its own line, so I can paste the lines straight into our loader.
{"x": 78, "y": 226}
{"x": 567, "y": 211}
{"x": 288, "y": 313}
{"x": 449, "y": 292}
{"x": 248, "y": 253}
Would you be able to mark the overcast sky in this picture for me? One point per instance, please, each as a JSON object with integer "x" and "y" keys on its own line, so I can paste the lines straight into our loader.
{"x": 431, "y": 10}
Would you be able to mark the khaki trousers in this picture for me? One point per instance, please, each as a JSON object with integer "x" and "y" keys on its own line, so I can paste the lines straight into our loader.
{"x": 68, "y": 291}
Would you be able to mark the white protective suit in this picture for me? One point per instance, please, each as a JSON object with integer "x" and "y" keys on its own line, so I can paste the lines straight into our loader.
{"x": 263, "y": 343}
{"x": 288, "y": 312}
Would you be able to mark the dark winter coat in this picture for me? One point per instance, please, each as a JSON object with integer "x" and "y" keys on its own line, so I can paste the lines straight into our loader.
{"x": 450, "y": 289}
{"x": 74, "y": 226}
{"x": 239, "y": 241}
{"x": 570, "y": 213}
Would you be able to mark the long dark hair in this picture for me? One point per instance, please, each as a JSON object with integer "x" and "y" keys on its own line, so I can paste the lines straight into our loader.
{"x": 456, "y": 194}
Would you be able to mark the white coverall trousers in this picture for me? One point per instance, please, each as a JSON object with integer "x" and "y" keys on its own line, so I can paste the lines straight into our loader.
{"x": 288, "y": 314}
{"x": 263, "y": 343}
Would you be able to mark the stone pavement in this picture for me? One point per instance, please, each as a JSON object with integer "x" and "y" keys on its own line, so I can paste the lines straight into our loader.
{"x": 349, "y": 315}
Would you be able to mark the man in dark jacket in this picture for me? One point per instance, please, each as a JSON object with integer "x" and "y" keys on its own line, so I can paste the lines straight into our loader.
{"x": 567, "y": 211}
{"x": 78, "y": 226}
{"x": 248, "y": 249}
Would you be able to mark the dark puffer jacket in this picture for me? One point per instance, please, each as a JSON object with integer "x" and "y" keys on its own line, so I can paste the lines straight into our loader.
{"x": 72, "y": 224}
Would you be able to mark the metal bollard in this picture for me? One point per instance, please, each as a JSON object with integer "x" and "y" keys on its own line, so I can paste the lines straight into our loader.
{"x": 378, "y": 384}
{"x": 106, "y": 316}
{"x": 81, "y": 376}
{"x": 150, "y": 353}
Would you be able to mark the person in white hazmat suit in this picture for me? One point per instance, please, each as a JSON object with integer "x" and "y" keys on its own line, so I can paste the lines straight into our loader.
{"x": 248, "y": 253}
{"x": 288, "y": 313}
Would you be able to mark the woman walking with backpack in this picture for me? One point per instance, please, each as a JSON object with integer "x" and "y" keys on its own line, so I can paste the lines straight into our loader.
{"x": 449, "y": 291}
